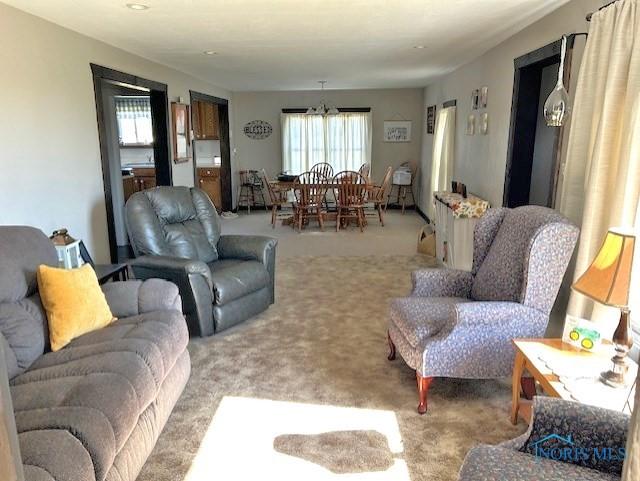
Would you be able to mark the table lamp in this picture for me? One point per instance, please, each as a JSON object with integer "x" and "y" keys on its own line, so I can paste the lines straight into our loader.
{"x": 607, "y": 281}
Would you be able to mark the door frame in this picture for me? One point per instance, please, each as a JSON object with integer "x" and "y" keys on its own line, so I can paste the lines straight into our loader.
{"x": 160, "y": 126}
{"x": 225, "y": 146}
{"x": 521, "y": 138}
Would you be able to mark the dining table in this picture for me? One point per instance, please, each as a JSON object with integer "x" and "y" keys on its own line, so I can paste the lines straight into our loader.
{"x": 288, "y": 186}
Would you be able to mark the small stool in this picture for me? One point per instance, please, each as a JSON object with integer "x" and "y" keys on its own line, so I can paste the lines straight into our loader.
{"x": 250, "y": 187}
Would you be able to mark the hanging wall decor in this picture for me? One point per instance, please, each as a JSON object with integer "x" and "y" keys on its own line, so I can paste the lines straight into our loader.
{"x": 397, "y": 131}
{"x": 431, "y": 119}
{"x": 475, "y": 99}
{"x": 484, "y": 123}
{"x": 180, "y": 132}
{"x": 258, "y": 129}
{"x": 471, "y": 125}
{"x": 484, "y": 94}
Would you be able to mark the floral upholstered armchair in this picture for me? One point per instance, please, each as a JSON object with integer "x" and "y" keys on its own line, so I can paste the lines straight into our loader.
{"x": 566, "y": 441}
{"x": 460, "y": 324}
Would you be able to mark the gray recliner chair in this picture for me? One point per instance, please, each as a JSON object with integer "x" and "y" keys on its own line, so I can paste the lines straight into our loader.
{"x": 223, "y": 280}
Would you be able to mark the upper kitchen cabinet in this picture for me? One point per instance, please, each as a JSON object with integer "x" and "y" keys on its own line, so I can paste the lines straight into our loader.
{"x": 205, "y": 121}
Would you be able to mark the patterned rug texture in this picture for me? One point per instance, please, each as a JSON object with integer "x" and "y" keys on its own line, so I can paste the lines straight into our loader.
{"x": 323, "y": 344}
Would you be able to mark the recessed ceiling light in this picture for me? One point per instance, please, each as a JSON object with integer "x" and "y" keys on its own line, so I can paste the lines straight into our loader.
{"x": 137, "y": 6}
{"x": 210, "y": 52}
{"x": 419, "y": 47}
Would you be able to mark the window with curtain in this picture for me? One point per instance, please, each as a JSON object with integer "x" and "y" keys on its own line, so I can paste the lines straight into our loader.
{"x": 342, "y": 140}
{"x": 133, "y": 114}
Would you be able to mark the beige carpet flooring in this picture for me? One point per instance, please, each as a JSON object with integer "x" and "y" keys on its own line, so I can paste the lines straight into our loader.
{"x": 304, "y": 390}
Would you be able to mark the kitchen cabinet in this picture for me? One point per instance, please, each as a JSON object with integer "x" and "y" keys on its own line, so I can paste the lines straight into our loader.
{"x": 209, "y": 181}
{"x": 205, "y": 120}
{"x": 144, "y": 178}
{"x": 128, "y": 185}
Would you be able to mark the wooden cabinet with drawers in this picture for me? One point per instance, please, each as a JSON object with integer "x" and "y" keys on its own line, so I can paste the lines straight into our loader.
{"x": 209, "y": 181}
{"x": 205, "y": 121}
{"x": 144, "y": 178}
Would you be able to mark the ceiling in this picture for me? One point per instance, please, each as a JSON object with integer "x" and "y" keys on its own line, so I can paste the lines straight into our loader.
{"x": 291, "y": 44}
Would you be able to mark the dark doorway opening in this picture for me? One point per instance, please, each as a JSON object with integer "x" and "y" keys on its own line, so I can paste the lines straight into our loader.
{"x": 211, "y": 148}
{"x": 113, "y": 88}
{"x": 533, "y": 154}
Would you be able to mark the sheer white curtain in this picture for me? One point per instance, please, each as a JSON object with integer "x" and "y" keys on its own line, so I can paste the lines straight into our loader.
{"x": 442, "y": 158}
{"x": 302, "y": 142}
{"x": 601, "y": 181}
{"x": 348, "y": 140}
{"x": 343, "y": 140}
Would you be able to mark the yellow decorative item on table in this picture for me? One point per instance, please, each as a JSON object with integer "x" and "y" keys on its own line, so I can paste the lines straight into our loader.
{"x": 74, "y": 303}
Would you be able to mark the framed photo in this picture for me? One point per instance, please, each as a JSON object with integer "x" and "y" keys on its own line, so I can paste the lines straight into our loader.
{"x": 484, "y": 93}
{"x": 475, "y": 99}
{"x": 180, "y": 132}
{"x": 471, "y": 125}
{"x": 397, "y": 131}
{"x": 431, "y": 119}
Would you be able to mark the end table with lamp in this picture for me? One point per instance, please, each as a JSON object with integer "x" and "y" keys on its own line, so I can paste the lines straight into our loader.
{"x": 589, "y": 376}
{"x": 72, "y": 253}
{"x": 607, "y": 281}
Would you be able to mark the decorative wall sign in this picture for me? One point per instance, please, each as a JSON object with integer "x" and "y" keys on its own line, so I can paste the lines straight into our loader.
{"x": 431, "y": 119}
{"x": 258, "y": 129}
{"x": 397, "y": 131}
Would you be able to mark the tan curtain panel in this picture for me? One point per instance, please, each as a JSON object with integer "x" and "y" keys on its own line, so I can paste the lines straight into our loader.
{"x": 601, "y": 182}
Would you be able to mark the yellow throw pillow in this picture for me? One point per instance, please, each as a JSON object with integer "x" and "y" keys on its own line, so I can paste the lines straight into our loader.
{"x": 74, "y": 303}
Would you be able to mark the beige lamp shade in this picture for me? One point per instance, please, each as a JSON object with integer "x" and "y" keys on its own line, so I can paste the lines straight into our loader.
{"x": 608, "y": 277}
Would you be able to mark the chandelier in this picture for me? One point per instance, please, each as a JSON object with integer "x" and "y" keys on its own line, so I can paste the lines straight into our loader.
{"x": 323, "y": 108}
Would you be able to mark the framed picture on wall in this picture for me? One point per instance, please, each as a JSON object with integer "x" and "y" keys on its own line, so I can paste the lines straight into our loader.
{"x": 484, "y": 97}
{"x": 180, "y": 132}
{"x": 475, "y": 99}
{"x": 397, "y": 131}
{"x": 431, "y": 119}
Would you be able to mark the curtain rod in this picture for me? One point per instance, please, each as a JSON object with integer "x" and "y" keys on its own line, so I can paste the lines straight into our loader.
{"x": 589, "y": 15}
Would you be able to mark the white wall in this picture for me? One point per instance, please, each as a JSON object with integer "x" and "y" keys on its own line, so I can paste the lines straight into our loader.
{"x": 50, "y": 173}
{"x": 386, "y": 104}
{"x": 480, "y": 160}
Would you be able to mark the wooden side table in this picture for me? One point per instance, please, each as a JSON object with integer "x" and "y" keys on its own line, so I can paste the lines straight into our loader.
{"x": 530, "y": 357}
{"x": 115, "y": 272}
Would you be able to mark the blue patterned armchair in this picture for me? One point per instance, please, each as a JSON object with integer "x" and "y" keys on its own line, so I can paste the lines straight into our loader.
{"x": 460, "y": 324}
{"x": 566, "y": 441}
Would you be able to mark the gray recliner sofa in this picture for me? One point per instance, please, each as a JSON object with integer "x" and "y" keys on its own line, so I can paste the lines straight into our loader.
{"x": 93, "y": 410}
{"x": 223, "y": 279}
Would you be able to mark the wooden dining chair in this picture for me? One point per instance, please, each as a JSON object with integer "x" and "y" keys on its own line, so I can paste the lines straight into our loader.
{"x": 310, "y": 189}
{"x": 326, "y": 171}
{"x": 278, "y": 197}
{"x": 365, "y": 171}
{"x": 377, "y": 195}
{"x": 323, "y": 169}
{"x": 351, "y": 188}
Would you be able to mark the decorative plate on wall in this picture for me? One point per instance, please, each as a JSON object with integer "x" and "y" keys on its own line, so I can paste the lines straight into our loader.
{"x": 258, "y": 129}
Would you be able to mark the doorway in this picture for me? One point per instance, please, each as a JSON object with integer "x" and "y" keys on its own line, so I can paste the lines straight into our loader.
{"x": 533, "y": 154}
{"x": 211, "y": 148}
{"x": 133, "y": 130}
